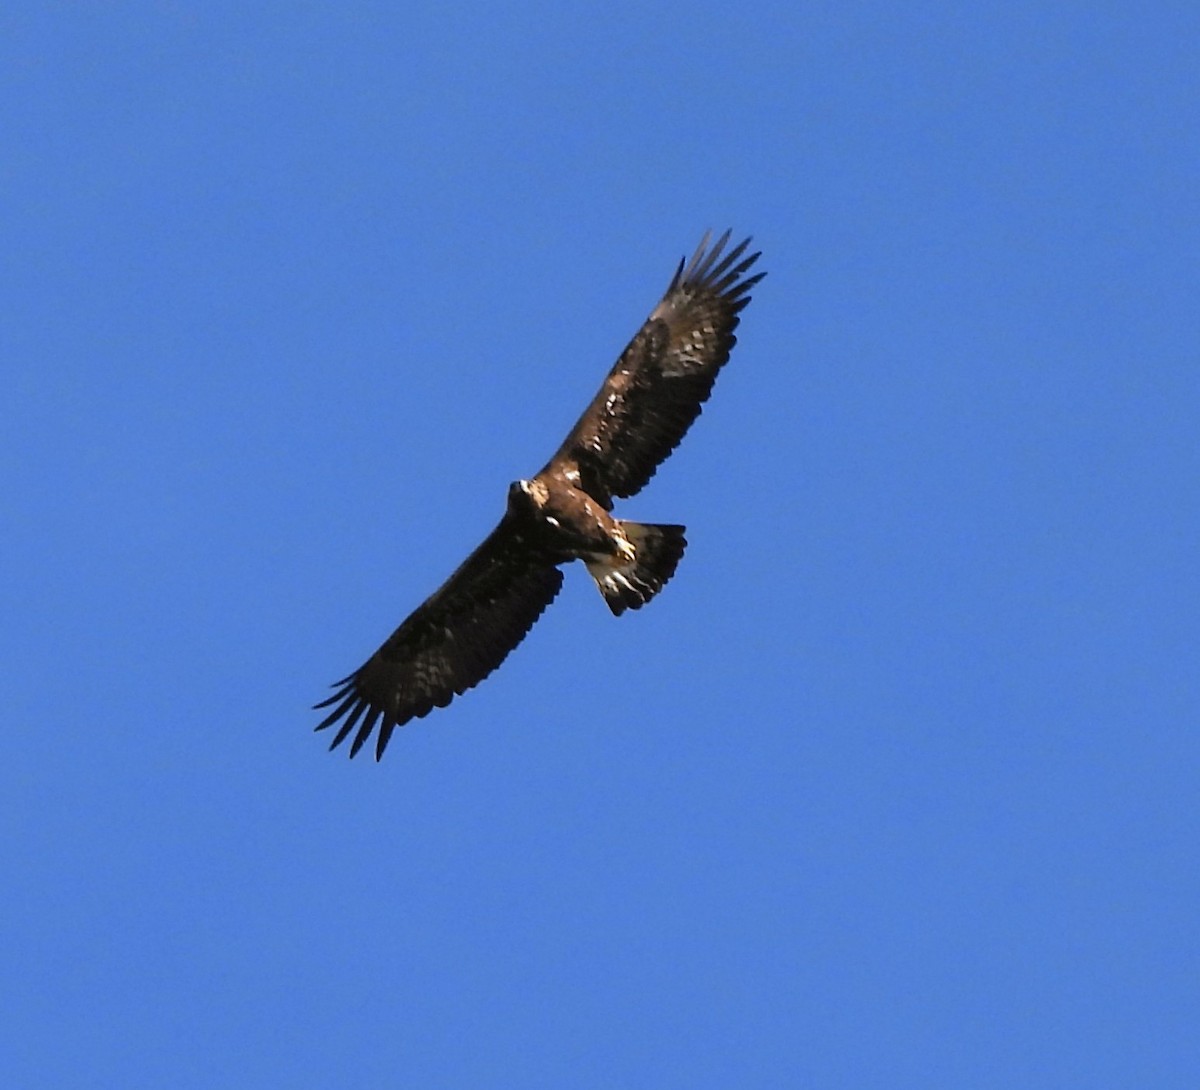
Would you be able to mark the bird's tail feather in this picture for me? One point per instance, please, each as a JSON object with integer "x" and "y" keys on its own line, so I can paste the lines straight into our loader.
{"x": 629, "y": 582}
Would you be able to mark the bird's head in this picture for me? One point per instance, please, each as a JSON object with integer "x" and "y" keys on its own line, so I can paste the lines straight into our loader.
{"x": 527, "y": 495}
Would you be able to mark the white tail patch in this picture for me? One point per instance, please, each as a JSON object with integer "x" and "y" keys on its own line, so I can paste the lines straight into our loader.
{"x": 645, "y": 560}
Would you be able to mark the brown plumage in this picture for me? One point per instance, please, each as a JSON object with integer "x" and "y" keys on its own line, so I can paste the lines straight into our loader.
{"x": 646, "y": 405}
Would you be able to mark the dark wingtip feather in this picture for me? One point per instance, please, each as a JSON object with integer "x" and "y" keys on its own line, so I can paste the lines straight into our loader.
{"x": 364, "y": 732}
{"x": 739, "y": 297}
{"x": 702, "y": 262}
{"x": 717, "y": 271}
{"x": 340, "y": 689}
{"x": 385, "y": 735}
{"x": 677, "y": 277}
{"x": 354, "y": 716}
{"x": 712, "y": 268}
{"x": 709, "y": 268}
{"x": 347, "y": 696}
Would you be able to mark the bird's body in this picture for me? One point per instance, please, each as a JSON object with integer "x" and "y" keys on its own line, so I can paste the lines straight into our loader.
{"x": 561, "y": 517}
{"x": 630, "y": 561}
{"x": 650, "y": 398}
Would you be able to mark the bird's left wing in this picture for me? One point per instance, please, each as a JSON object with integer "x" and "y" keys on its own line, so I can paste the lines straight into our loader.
{"x": 451, "y": 643}
{"x": 652, "y": 395}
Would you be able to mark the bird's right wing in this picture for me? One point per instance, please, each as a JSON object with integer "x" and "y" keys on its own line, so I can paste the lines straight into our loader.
{"x": 449, "y": 644}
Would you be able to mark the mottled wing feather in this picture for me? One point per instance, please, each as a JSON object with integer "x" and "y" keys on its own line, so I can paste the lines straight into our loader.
{"x": 451, "y": 643}
{"x": 666, "y": 373}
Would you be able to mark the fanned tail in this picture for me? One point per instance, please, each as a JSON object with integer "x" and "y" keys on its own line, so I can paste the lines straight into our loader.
{"x": 629, "y": 582}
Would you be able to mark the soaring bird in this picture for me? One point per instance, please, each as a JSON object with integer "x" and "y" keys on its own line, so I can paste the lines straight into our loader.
{"x": 647, "y": 403}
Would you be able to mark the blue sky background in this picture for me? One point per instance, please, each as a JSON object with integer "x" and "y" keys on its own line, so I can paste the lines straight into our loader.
{"x": 897, "y": 784}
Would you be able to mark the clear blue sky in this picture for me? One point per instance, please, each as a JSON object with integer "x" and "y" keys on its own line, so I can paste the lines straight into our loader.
{"x": 896, "y": 785}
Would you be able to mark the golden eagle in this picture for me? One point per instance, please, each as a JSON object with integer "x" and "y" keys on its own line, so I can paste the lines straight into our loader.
{"x": 647, "y": 403}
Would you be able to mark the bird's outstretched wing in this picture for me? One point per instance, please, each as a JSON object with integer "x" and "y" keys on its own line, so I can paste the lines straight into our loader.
{"x": 452, "y": 641}
{"x": 655, "y": 391}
